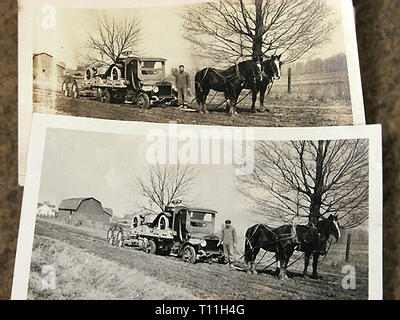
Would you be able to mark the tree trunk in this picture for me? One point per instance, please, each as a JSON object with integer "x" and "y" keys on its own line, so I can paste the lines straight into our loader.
{"x": 257, "y": 39}
{"x": 316, "y": 199}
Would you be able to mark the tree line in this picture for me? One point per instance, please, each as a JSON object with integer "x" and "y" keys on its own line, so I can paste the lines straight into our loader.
{"x": 335, "y": 63}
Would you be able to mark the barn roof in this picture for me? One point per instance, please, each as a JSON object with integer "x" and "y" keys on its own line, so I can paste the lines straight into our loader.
{"x": 109, "y": 211}
{"x": 40, "y": 53}
{"x": 73, "y": 203}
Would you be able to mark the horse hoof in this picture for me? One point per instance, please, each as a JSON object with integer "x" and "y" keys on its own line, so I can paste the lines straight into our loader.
{"x": 254, "y": 272}
{"x": 206, "y": 111}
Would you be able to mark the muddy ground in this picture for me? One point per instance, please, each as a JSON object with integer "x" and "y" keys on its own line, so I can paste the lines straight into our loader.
{"x": 211, "y": 281}
{"x": 283, "y": 112}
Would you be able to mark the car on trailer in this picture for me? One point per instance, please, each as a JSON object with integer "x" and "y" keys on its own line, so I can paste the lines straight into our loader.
{"x": 179, "y": 230}
{"x": 135, "y": 80}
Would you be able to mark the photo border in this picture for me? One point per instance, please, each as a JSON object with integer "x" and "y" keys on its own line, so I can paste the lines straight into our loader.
{"x": 35, "y": 158}
{"x": 25, "y": 68}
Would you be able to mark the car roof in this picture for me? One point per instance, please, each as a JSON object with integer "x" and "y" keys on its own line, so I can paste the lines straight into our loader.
{"x": 193, "y": 209}
{"x": 145, "y": 58}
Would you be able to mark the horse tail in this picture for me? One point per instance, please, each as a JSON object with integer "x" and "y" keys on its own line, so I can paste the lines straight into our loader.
{"x": 197, "y": 86}
{"x": 247, "y": 244}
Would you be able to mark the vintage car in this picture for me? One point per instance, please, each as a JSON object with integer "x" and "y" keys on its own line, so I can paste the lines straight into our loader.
{"x": 135, "y": 80}
{"x": 179, "y": 230}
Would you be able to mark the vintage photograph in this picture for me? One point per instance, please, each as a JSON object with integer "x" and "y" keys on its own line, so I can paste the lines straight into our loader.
{"x": 241, "y": 63}
{"x": 266, "y": 63}
{"x": 113, "y": 214}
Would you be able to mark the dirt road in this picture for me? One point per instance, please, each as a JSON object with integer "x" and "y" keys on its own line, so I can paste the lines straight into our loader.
{"x": 209, "y": 281}
{"x": 293, "y": 113}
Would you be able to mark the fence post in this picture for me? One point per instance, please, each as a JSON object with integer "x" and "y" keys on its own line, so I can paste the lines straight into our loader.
{"x": 289, "y": 84}
{"x": 348, "y": 242}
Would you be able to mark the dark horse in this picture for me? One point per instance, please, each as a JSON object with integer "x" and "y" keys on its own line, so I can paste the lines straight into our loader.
{"x": 285, "y": 239}
{"x": 229, "y": 81}
{"x": 271, "y": 71}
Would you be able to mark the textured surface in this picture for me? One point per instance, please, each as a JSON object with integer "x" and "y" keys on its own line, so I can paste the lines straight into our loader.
{"x": 378, "y": 31}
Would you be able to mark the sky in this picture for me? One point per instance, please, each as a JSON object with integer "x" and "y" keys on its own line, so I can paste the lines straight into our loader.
{"x": 161, "y": 27}
{"x": 103, "y": 166}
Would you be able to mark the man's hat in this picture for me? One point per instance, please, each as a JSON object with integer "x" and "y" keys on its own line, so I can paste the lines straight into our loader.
{"x": 228, "y": 221}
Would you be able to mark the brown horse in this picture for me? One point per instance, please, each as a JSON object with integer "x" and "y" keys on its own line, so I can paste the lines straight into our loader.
{"x": 285, "y": 239}
{"x": 229, "y": 81}
{"x": 271, "y": 71}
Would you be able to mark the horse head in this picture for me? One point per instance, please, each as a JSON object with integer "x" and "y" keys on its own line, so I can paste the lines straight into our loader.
{"x": 275, "y": 65}
{"x": 330, "y": 226}
{"x": 258, "y": 67}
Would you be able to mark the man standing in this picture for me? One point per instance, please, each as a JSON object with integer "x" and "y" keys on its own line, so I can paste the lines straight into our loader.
{"x": 228, "y": 240}
{"x": 182, "y": 82}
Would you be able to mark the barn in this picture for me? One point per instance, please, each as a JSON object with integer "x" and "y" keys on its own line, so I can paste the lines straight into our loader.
{"x": 46, "y": 210}
{"x": 47, "y": 73}
{"x": 88, "y": 209}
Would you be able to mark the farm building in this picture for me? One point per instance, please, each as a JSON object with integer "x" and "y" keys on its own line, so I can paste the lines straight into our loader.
{"x": 46, "y": 210}
{"x": 47, "y": 73}
{"x": 83, "y": 209}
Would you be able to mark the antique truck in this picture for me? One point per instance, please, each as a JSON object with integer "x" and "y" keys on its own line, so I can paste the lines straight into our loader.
{"x": 135, "y": 80}
{"x": 179, "y": 230}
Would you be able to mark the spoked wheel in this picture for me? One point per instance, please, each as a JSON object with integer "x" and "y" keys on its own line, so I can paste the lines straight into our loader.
{"x": 142, "y": 100}
{"x": 75, "y": 91}
{"x": 65, "y": 89}
{"x": 110, "y": 236}
{"x": 106, "y": 97}
{"x": 152, "y": 247}
{"x": 189, "y": 254}
{"x": 120, "y": 239}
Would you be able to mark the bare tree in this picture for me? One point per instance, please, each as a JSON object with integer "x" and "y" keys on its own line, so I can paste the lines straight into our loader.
{"x": 161, "y": 184}
{"x": 113, "y": 37}
{"x": 308, "y": 180}
{"x": 230, "y": 29}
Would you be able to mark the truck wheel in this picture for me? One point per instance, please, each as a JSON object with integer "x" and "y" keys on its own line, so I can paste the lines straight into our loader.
{"x": 110, "y": 236}
{"x": 64, "y": 89}
{"x": 189, "y": 254}
{"x": 75, "y": 91}
{"x": 152, "y": 247}
{"x": 142, "y": 100}
{"x": 106, "y": 97}
{"x": 120, "y": 239}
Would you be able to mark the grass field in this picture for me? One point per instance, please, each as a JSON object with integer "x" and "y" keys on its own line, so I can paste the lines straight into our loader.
{"x": 86, "y": 267}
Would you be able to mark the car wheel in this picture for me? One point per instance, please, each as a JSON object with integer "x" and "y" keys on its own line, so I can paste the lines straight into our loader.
{"x": 152, "y": 247}
{"x": 110, "y": 236}
{"x": 189, "y": 254}
{"x": 142, "y": 100}
{"x": 120, "y": 239}
{"x": 75, "y": 91}
{"x": 64, "y": 89}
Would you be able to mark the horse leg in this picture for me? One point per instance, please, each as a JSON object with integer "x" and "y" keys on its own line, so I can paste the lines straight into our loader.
{"x": 205, "y": 95}
{"x": 203, "y": 99}
{"x": 315, "y": 265}
{"x": 253, "y": 100}
{"x": 278, "y": 265}
{"x": 253, "y": 260}
{"x": 263, "y": 88}
{"x": 235, "y": 99}
{"x": 307, "y": 255}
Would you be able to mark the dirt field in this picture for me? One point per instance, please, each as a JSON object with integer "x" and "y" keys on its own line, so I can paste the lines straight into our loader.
{"x": 315, "y": 100}
{"x": 84, "y": 260}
